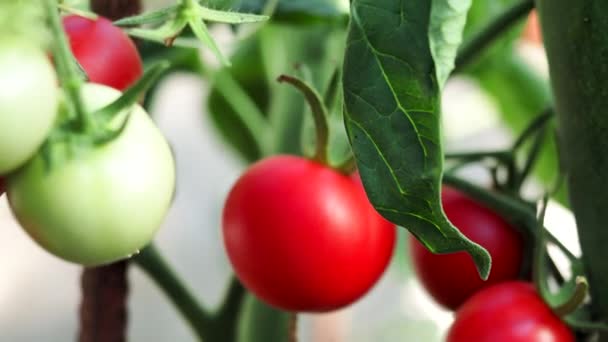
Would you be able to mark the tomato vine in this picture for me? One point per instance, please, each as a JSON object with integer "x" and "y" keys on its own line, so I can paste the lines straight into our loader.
{"x": 371, "y": 74}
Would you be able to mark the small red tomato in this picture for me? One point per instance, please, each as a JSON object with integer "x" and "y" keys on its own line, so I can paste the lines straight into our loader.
{"x": 452, "y": 278}
{"x": 303, "y": 237}
{"x": 508, "y": 312}
{"x": 107, "y": 55}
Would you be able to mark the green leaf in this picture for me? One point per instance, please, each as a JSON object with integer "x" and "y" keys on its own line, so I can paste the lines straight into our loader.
{"x": 230, "y": 17}
{"x": 300, "y": 10}
{"x": 261, "y": 323}
{"x": 448, "y": 18}
{"x": 393, "y": 121}
{"x": 151, "y": 17}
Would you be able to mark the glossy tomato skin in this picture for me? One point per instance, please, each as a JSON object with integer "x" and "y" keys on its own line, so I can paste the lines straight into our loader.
{"x": 452, "y": 278}
{"x": 105, "y": 52}
{"x": 98, "y": 204}
{"x": 303, "y": 237}
{"x": 29, "y": 97}
{"x": 508, "y": 312}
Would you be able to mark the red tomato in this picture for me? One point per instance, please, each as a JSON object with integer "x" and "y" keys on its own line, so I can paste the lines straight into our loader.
{"x": 105, "y": 52}
{"x": 303, "y": 237}
{"x": 508, "y": 312}
{"x": 452, "y": 278}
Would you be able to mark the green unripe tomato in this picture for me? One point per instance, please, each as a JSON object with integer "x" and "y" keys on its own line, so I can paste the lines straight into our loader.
{"x": 99, "y": 204}
{"x": 28, "y": 101}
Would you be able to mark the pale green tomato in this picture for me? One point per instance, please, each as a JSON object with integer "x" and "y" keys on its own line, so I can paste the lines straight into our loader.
{"x": 28, "y": 101}
{"x": 102, "y": 204}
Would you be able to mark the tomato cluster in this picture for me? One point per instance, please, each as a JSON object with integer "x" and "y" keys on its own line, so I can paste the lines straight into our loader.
{"x": 94, "y": 203}
{"x": 499, "y": 309}
{"x": 304, "y": 237}
{"x": 452, "y": 278}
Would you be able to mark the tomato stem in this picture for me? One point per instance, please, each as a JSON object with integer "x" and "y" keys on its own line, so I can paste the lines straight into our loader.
{"x": 319, "y": 113}
{"x": 67, "y": 69}
{"x": 208, "y": 326}
{"x": 348, "y": 166}
{"x": 504, "y": 21}
{"x": 508, "y": 207}
{"x": 244, "y": 107}
{"x": 576, "y": 299}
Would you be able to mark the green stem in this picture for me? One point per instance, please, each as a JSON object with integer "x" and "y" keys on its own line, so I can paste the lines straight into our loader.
{"x": 319, "y": 113}
{"x": 208, "y": 326}
{"x": 537, "y": 123}
{"x": 576, "y": 299}
{"x": 504, "y": 21}
{"x": 65, "y": 62}
{"x": 150, "y": 260}
{"x": 348, "y": 166}
{"x": 476, "y": 156}
{"x": 243, "y": 105}
{"x": 508, "y": 207}
{"x": 531, "y": 159}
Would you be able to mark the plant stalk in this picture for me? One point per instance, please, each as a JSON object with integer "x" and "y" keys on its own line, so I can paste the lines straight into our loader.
{"x": 576, "y": 43}
{"x": 218, "y": 326}
{"x": 67, "y": 70}
{"x": 495, "y": 29}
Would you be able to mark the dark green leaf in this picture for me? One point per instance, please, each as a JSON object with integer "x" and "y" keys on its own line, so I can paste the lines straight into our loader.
{"x": 393, "y": 121}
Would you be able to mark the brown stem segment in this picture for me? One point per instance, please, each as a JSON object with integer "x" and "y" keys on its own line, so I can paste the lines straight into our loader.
{"x": 293, "y": 327}
{"x": 103, "y": 312}
{"x": 116, "y": 9}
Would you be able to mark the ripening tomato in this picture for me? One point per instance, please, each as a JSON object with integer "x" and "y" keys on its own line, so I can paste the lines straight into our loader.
{"x": 303, "y": 237}
{"x": 28, "y": 101}
{"x": 508, "y": 312}
{"x": 452, "y": 278}
{"x": 106, "y": 54}
{"x": 97, "y": 204}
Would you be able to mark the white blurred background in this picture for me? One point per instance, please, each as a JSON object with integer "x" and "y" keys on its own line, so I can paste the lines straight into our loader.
{"x": 39, "y": 294}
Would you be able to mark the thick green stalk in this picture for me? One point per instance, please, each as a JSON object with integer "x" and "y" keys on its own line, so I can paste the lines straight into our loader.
{"x": 66, "y": 67}
{"x": 576, "y": 39}
{"x": 218, "y": 326}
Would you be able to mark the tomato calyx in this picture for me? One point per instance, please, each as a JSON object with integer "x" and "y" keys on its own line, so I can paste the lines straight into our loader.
{"x": 176, "y": 18}
{"x": 76, "y": 124}
{"x": 319, "y": 113}
{"x": 105, "y": 129}
{"x": 320, "y": 107}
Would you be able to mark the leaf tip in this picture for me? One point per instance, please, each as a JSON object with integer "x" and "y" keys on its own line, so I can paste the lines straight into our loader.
{"x": 483, "y": 261}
